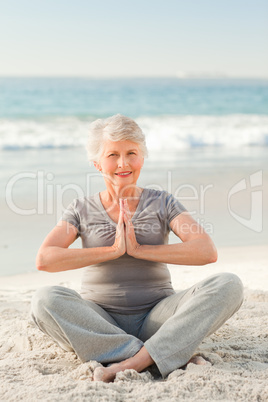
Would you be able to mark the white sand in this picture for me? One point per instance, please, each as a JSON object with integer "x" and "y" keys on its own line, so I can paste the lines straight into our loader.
{"x": 33, "y": 368}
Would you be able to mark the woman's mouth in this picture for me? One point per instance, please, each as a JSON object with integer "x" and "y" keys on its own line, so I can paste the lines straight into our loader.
{"x": 123, "y": 174}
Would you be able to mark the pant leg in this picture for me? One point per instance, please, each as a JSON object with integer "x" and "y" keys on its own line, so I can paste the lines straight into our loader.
{"x": 177, "y": 325}
{"x": 81, "y": 326}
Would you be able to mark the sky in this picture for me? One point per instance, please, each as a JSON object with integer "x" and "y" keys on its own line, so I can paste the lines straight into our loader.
{"x": 121, "y": 38}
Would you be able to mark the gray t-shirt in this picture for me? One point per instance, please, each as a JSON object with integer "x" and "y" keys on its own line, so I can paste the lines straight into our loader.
{"x": 126, "y": 284}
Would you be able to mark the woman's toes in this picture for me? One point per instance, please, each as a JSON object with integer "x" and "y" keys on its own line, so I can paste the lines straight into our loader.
{"x": 98, "y": 374}
{"x": 199, "y": 360}
{"x": 104, "y": 374}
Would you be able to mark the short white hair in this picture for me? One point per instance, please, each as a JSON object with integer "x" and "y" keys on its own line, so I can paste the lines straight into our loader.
{"x": 114, "y": 128}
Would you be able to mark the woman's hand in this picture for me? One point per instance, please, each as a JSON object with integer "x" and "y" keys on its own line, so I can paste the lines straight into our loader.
{"x": 119, "y": 245}
{"x": 132, "y": 245}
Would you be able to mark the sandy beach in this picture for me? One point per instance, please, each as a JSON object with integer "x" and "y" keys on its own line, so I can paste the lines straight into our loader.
{"x": 33, "y": 368}
{"x": 207, "y": 145}
{"x": 195, "y": 80}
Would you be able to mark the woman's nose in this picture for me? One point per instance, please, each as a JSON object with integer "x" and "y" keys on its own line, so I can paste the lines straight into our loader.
{"x": 122, "y": 161}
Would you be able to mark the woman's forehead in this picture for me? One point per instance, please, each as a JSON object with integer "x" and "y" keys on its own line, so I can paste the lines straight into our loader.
{"x": 109, "y": 145}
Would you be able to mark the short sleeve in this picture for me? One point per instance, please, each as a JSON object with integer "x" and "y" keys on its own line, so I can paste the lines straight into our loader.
{"x": 174, "y": 207}
{"x": 72, "y": 215}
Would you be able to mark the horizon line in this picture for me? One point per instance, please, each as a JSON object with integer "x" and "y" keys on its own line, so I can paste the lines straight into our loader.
{"x": 96, "y": 77}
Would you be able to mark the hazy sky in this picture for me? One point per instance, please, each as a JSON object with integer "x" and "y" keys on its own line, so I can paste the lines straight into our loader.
{"x": 134, "y": 38}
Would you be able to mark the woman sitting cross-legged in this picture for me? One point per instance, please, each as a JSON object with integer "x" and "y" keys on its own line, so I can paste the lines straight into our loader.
{"x": 127, "y": 315}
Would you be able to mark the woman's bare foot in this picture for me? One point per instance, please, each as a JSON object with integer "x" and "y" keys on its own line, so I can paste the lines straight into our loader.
{"x": 107, "y": 374}
{"x": 198, "y": 360}
{"x": 138, "y": 362}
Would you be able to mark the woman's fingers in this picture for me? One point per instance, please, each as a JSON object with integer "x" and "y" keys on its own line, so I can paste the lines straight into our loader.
{"x": 121, "y": 214}
{"x": 127, "y": 214}
{"x": 131, "y": 241}
{"x": 120, "y": 241}
{"x": 126, "y": 209}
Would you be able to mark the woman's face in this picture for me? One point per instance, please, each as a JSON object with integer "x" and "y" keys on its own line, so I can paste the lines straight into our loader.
{"x": 120, "y": 163}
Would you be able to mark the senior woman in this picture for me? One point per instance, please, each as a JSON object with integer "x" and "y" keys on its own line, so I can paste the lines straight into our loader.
{"x": 127, "y": 315}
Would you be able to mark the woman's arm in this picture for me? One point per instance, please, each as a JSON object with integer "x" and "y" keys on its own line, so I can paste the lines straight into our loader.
{"x": 196, "y": 248}
{"x": 54, "y": 254}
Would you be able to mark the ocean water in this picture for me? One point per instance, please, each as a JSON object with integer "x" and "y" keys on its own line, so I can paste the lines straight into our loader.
{"x": 204, "y": 138}
{"x": 174, "y": 114}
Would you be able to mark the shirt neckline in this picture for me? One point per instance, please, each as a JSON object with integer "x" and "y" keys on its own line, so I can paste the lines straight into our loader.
{"x": 98, "y": 199}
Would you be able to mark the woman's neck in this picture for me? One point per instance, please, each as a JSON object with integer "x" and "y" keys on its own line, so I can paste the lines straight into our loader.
{"x": 113, "y": 195}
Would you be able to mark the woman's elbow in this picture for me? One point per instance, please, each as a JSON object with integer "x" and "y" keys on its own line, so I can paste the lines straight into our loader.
{"x": 212, "y": 255}
{"x": 41, "y": 267}
{"x": 40, "y": 262}
{"x": 208, "y": 251}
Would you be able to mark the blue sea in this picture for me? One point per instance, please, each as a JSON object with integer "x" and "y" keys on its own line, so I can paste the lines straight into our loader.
{"x": 175, "y": 114}
{"x": 205, "y": 138}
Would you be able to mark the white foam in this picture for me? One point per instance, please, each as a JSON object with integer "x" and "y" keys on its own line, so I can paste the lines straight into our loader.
{"x": 163, "y": 133}
{"x": 179, "y": 132}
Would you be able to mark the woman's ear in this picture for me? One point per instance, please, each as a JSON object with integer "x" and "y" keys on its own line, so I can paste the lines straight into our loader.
{"x": 97, "y": 166}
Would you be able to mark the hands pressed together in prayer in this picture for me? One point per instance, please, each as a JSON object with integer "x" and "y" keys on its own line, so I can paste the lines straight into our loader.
{"x": 125, "y": 239}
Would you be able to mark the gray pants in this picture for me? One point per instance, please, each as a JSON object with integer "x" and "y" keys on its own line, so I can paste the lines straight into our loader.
{"x": 171, "y": 331}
